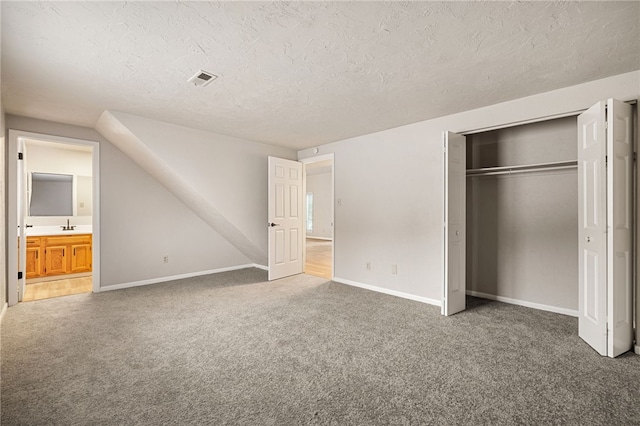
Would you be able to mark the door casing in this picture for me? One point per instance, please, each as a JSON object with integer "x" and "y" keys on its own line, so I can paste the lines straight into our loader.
{"x": 13, "y": 198}
{"x": 316, "y": 159}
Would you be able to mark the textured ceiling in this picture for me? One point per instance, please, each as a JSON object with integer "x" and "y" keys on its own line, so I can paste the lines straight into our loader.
{"x": 300, "y": 74}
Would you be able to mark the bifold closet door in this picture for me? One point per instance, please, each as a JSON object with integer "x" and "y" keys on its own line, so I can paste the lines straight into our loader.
{"x": 455, "y": 169}
{"x": 620, "y": 227}
{"x": 605, "y": 218}
{"x": 592, "y": 228}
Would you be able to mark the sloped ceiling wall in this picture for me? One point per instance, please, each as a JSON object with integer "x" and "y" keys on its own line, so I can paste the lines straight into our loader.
{"x": 221, "y": 179}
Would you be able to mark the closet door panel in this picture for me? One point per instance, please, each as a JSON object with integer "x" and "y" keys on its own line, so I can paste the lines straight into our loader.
{"x": 454, "y": 288}
{"x": 592, "y": 244}
{"x": 619, "y": 244}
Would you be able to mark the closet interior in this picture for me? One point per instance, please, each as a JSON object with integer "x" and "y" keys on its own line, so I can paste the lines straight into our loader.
{"x": 522, "y": 215}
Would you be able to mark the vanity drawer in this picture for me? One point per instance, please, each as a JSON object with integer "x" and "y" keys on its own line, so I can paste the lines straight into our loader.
{"x": 33, "y": 241}
{"x": 57, "y": 240}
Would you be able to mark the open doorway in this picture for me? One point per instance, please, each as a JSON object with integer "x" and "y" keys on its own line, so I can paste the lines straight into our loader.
{"x": 318, "y": 203}
{"x": 53, "y": 204}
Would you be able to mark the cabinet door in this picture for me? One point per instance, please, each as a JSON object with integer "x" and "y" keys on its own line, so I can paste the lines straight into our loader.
{"x": 56, "y": 260}
{"x": 81, "y": 258}
{"x": 34, "y": 265}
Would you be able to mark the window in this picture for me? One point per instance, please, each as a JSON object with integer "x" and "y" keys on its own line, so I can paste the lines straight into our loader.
{"x": 309, "y": 211}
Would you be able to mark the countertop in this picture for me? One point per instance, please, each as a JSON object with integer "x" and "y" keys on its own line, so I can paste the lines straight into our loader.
{"x": 38, "y": 231}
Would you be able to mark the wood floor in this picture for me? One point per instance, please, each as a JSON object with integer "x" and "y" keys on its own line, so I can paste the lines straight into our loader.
{"x": 319, "y": 257}
{"x": 49, "y": 289}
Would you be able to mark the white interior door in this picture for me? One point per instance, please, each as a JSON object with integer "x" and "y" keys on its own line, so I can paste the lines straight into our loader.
{"x": 592, "y": 231}
{"x": 619, "y": 223}
{"x": 285, "y": 218}
{"x": 454, "y": 291}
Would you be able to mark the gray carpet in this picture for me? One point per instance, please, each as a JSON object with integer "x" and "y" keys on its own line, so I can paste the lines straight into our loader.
{"x": 234, "y": 349}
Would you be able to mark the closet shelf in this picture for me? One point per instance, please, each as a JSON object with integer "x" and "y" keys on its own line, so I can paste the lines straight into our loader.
{"x": 528, "y": 168}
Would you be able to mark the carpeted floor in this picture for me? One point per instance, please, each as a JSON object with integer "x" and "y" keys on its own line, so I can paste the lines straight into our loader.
{"x": 234, "y": 349}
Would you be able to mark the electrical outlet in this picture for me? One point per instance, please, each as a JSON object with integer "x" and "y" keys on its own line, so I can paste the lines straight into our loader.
{"x": 165, "y": 259}
{"x": 368, "y": 266}
{"x": 394, "y": 269}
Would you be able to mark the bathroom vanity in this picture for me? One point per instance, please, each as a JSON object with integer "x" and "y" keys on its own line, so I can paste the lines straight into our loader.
{"x": 49, "y": 255}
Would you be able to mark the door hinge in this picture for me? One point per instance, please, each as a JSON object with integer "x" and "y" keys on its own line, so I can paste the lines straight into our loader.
{"x": 20, "y": 156}
{"x": 19, "y": 275}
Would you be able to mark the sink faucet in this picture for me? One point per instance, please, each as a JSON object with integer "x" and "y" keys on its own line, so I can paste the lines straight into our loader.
{"x": 68, "y": 227}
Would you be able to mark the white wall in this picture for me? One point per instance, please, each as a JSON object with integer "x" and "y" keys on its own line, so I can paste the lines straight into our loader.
{"x": 140, "y": 221}
{"x": 522, "y": 229}
{"x": 390, "y": 186}
{"x": 56, "y": 158}
{"x": 320, "y": 185}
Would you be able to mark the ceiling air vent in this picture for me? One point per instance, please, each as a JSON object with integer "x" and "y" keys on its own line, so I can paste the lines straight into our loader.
{"x": 202, "y": 78}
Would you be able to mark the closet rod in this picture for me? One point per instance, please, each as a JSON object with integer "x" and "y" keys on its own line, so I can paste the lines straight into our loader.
{"x": 513, "y": 172}
{"x": 488, "y": 171}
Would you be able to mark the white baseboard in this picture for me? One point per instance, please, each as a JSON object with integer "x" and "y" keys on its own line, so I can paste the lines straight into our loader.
{"x": 388, "y": 291}
{"x": 311, "y": 237}
{"x": 533, "y": 305}
{"x": 264, "y": 268}
{"x": 4, "y": 311}
{"x": 637, "y": 349}
{"x": 174, "y": 277}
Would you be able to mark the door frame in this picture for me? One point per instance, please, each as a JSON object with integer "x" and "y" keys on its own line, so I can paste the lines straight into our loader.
{"x": 12, "y": 204}
{"x": 636, "y": 196}
{"x": 506, "y": 125}
{"x": 316, "y": 159}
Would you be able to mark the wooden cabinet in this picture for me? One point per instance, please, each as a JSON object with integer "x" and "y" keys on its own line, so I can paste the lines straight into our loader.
{"x": 34, "y": 258}
{"x": 56, "y": 260}
{"x": 58, "y": 255}
{"x": 80, "y": 258}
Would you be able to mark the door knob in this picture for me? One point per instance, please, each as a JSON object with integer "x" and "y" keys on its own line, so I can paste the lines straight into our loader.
{"x": 457, "y": 233}
{"x": 271, "y": 225}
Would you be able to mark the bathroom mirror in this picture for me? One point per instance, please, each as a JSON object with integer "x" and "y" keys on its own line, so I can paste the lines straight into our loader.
{"x": 51, "y": 194}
